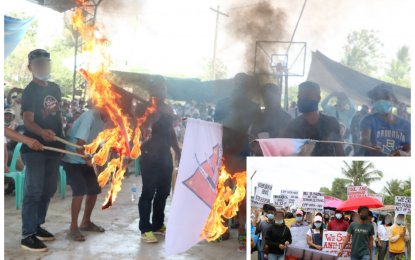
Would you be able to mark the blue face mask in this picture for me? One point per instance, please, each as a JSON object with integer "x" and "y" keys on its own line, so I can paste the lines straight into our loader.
{"x": 399, "y": 222}
{"x": 318, "y": 225}
{"x": 270, "y": 216}
{"x": 68, "y": 115}
{"x": 299, "y": 219}
{"x": 338, "y": 216}
{"x": 43, "y": 78}
{"x": 382, "y": 106}
{"x": 279, "y": 222}
{"x": 387, "y": 222}
{"x": 7, "y": 123}
{"x": 306, "y": 106}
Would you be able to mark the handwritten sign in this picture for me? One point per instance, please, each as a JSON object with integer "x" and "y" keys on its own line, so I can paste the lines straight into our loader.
{"x": 333, "y": 241}
{"x": 263, "y": 193}
{"x": 254, "y": 203}
{"x": 402, "y": 205}
{"x": 379, "y": 197}
{"x": 299, "y": 236}
{"x": 329, "y": 198}
{"x": 291, "y": 196}
{"x": 313, "y": 201}
{"x": 356, "y": 191}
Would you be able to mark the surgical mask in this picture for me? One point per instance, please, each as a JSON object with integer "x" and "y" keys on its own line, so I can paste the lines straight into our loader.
{"x": 318, "y": 225}
{"x": 186, "y": 106}
{"x": 382, "y": 106}
{"x": 7, "y": 123}
{"x": 270, "y": 216}
{"x": 22, "y": 120}
{"x": 299, "y": 219}
{"x": 399, "y": 222}
{"x": 363, "y": 217}
{"x": 306, "y": 106}
{"x": 64, "y": 125}
{"x": 279, "y": 222}
{"x": 338, "y": 216}
{"x": 373, "y": 219}
{"x": 68, "y": 115}
{"x": 308, "y": 221}
{"x": 42, "y": 78}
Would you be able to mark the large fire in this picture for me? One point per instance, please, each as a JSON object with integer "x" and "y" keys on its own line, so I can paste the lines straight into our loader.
{"x": 116, "y": 139}
{"x": 226, "y": 204}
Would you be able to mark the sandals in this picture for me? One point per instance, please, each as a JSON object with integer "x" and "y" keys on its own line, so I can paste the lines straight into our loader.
{"x": 242, "y": 241}
{"x": 76, "y": 233}
{"x": 92, "y": 227}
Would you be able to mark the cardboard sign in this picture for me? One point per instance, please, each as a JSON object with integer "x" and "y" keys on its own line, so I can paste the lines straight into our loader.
{"x": 297, "y": 253}
{"x": 313, "y": 201}
{"x": 356, "y": 191}
{"x": 379, "y": 197}
{"x": 263, "y": 193}
{"x": 299, "y": 236}
{"x": 254, "y": 203}
{"x": 329, "y": 198}
{"x": 291, "y": 196}
{"x": 280, "y": 201}
{"x": 333, "y": 241}
{"x": 402, "y": 205}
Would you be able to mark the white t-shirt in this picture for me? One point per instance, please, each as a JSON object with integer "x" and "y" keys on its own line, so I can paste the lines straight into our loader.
{"x": 383, "y": 233}
{"x": 375, "y": 227}
{"x": 315, "y": 233}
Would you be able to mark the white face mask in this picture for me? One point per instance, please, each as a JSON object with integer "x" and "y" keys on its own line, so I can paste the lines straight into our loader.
{"x": 42, "y": 78}
{"x": 64, "y": 125}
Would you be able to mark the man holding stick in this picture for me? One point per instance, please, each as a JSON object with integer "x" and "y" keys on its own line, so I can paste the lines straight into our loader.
{"x": 397, "y": 235}
{"x": 42, "y": 117}
{"x": 80, "y": 172}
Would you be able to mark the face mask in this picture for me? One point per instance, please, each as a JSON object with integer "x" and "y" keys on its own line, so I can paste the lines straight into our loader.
{"x": 326, "y": 218}
{"x": 363, "y": 217}
{"x": 299, "y": 219}
{"x": 270, "y": 216}
{"x": 42, "y": 78}
{"x": 7, "y": 123}
{"x": 68, "y": 115}
{"x": 399, "y": 222}
{"x": 382, "y": 106}
{"x": 306, "y": 106}
{"x": 318, "y": 225}
{"x": 21, "y": 120}
{"x": 387, "y": 222}
{"x": 373, "y": 219}
{"x": 279, "y": 222}
{"x": 338, "y": 216}
{"x": 308, "y": 221}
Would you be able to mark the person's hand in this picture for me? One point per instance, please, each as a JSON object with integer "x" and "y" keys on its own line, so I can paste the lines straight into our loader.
{"x": 147, "y": 133}
{"x": 397, "y": 153}
{"x": 177, "y": 157}
{"x": 88, "y": 162}
{"x": 282, "y": 247}
{"x": 319, "y": 248}
{"x": 6, "y": 169}
{"x": 379, "y": 244}
{"x": 340, "y": 253}
{"x": 378, "y": 150}
{"x": 48, "y": 135}
{"x": 404, "y": 230}
{"x": 34, "y": 144}
{"x": 287, "y": 243}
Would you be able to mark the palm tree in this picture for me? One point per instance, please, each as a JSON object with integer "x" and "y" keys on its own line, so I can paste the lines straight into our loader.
{"x": 360, "y": 172}
{"x": 400, "y": 68}
{"x": 393, "y": 188}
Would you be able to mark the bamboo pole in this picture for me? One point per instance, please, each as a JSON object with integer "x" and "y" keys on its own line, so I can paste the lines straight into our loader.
{"x": 68, "y": 143}
{"x": 64, "y": 151}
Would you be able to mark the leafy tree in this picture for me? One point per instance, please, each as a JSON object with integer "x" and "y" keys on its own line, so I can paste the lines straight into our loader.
{"x": 360, "y": 172}
{"x": 339, "y": 189}
{"x": 326, "y": 191}
{"x": 221, "y": 70}
{"x": 399, "y": 70}
{"x": 393, "y": 188}
{"x": 361, "y": 51}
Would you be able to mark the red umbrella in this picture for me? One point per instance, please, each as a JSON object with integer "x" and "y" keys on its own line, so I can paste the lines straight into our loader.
{"x": 355, "y": 203}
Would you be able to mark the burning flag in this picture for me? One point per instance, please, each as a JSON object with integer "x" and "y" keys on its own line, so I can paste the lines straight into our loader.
{"x": 286, "y": 146}
{"x": 200, "y": 187}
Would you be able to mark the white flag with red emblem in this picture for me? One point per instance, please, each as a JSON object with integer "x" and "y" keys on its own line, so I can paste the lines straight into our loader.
{"x": 195, "y": 190}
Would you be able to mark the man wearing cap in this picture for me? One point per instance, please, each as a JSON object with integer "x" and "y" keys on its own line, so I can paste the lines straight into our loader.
{"x": 41, "y": 110}
{"x": 338, "y": 223}
{"x": 299, "y": 217}
{"x": 14, "y": 102}
{"x": 385, "y": 132}
{"x": 9, "y": 116}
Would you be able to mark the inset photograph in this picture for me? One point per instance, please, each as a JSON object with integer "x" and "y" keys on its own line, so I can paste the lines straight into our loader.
{"x": 329, "y": 209}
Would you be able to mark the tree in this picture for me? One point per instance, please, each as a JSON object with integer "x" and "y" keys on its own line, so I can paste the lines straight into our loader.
{"x": 361, "y": 52}
{"x": 393, "y": 188}
{"x": 339, "y": 189}
{"x": 326, "y": 191}
{"x": 221, "y": 70}
{"x": 360, "y": 172}
{"x": 399, "y": 70}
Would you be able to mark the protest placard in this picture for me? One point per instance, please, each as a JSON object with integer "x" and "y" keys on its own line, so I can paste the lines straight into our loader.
{"x": 313, "y": 201}
{"x": 297, "y": 253}
{"x": 402, "y": 205}
{"x": 263, "y": 193}
{"x": 379, "y": 197}
{"x": 356, "y": 191}
{"x": 291, "y": 196}
{"x": 280, "y": 201}
{"x": 329, "y": 198}
{"x": 333, "y": 241}
{"x": 254, "y": 203}
{"x": 299, "y": 236}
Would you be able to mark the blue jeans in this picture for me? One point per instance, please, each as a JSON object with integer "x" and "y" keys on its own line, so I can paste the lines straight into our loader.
{"x": 41, "y": 182}
{"x": 373, "y": 252}
{"x": 365, "y": 257}
{"x": 275, "y": 257}
{"x": 258, "y": 247}
{"x": 156, "y": 172}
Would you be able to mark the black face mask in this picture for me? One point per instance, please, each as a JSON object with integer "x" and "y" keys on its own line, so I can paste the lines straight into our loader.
{"x": 363, "y": 217}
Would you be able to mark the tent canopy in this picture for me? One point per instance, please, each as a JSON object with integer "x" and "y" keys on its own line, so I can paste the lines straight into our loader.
{"x": 334, "y": 76}
{"x": 14, "y": 31}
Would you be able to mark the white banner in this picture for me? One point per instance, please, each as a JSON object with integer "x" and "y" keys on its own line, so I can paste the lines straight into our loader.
{"x": 402, "y": 205}
{"x": 263, "y": 193}
{"x": 254, "y": 203}
{"x": 280, "y": 201}
{"x": 299, "y": 236}
{"x": 379, "y": 197}
{"x": 195, "y": 185}
{"x": 356, "y": 191}
{"x": 291, "y": 196}
{"x": 333, "y": 241}
{"x": 313, "y": 201}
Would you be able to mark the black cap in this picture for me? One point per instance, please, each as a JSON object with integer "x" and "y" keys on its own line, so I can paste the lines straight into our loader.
{"x": 38, "y": 53}
{"x": 382, "y": 88}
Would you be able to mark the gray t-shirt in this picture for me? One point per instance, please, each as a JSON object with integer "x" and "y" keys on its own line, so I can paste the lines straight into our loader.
{"x": 263, "y": 227}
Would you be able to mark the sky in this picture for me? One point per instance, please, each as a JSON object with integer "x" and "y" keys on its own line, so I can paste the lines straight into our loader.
{"x": 312, "y": 173}
{"x": 173, "y": 37}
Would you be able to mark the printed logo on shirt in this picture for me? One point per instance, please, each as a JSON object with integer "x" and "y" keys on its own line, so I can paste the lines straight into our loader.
{"x": 361, "y": 231}
{"x": 51, "y": 106}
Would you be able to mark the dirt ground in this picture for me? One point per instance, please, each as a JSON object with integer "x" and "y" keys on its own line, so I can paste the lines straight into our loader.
{"x": 121, "y": 239}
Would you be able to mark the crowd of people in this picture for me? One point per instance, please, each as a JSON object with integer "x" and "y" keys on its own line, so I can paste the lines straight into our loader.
{"x": 371, "y": 237}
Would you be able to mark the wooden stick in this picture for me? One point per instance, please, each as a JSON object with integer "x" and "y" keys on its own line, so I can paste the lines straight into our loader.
{"x": 68, "y": 143}
{"x": 64, "y": 151}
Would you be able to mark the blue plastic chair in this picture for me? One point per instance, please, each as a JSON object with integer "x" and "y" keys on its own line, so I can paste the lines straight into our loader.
{"x": 17, "y": 176}
{"x": 62, "y": 182}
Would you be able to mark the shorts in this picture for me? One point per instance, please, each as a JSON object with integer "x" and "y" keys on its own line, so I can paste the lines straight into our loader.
{"x": 82, "y": 179}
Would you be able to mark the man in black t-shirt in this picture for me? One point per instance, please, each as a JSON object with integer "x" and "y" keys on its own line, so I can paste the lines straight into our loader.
{"x": 314, "y": 125}
{"x": 42, "y": 117}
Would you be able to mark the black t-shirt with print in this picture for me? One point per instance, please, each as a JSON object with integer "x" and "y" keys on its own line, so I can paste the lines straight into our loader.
{"x": 44, "y": 102}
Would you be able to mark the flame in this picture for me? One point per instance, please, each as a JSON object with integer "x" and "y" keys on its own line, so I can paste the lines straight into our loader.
{"x": 226, "y": 204}
{"x": 116, "y": 139}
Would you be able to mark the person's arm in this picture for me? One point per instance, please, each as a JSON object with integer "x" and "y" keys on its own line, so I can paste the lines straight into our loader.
{"x": 365, "y": 133}
{"x": 6, "y": 169}
{"x": 392, "y": 238}
{"x": 175, "y": 144}
{"x": 325, "y": 105}
{"x": 257, "y": 227}
{"x": 407, "y": 146}
{"x": 46, "y": 134}
{"x": 371, "y": 247}
{"x": 15, "y": 136}
{"x": 88, "y": 160}
{"x": 406, "y": 237}
{"x": 346, "y": 240}
{"x": 9, "y": 96}
{"x": 337, "y": 137}
{"x": 352, "y": 107}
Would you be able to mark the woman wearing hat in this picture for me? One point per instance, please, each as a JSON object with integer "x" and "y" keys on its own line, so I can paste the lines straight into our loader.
{"x": 315, "y": 234}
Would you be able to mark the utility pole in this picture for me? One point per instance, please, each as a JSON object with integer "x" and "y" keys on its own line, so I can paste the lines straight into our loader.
{"x": 216, "y": 38}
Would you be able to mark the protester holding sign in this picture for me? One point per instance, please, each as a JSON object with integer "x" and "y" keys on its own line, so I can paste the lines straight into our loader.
{"x": 315, "y": 234}
{"x": 383, "y": 242}
{"x": 263, "y": 226}
{"x": 362, "y": 232}
{"x": 338, "y": 224}
{"x": 299, "y": 218}
{"x": 278, "y": 236}
{"x": 397, "y": 235}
